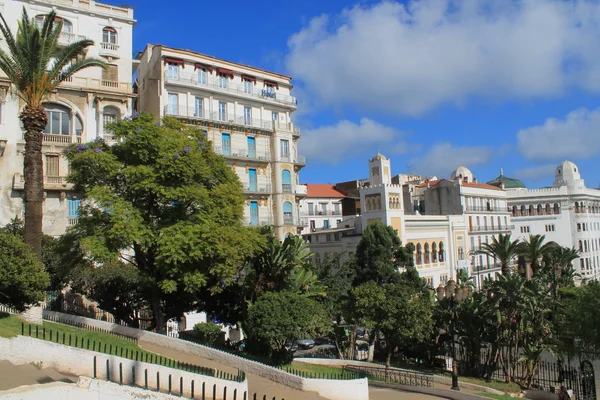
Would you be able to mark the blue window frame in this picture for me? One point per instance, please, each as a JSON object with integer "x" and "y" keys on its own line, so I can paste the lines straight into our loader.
{"x": 254, "y": 213}
{"x": 286, "y": 181}
{"x": 251, "y": 147}
{"x": 252, "y": 180}
{"x": 288, "y": 218}
{"x": 226, "y": 144}
{"x": 74, "y": 208}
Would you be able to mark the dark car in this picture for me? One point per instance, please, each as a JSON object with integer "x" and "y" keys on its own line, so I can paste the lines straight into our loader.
{"x": 322, "y": 340}
{"x": 305, "y": 344}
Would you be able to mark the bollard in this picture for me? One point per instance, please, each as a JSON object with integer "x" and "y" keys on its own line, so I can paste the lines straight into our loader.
{"x": 133, "y": 376}
{"x": 192, "y": 396}
{"x": 169, "y": 391}
{"x": 203, "y": 390}
{"x": 181, "y": 386}
{"x": 234, "y": 394}
{"x": 107, "y": 371}
{"x": 121, "y": 374}
{"x": 146, "y": 379}
{"x": 157, "y": 382}
{"x": 225, "y": 392}
{"x": 94, "y": 367}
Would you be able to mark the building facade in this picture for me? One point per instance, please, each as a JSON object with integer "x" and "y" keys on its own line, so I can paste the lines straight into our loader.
{"x": 567, "y": 213}
{"x": 246, "y": 113}
{"x": 321, "y": 208}
{"x": 77, "y": 112}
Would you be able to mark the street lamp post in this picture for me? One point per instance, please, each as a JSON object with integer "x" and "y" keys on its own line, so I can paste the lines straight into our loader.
{"x": 454, "y": 294}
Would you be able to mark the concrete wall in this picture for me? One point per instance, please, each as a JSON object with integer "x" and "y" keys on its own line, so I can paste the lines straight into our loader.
{"x": 86, "y": 388}
{"x": 79, "y": 362}
{"x": 331, "y": 389}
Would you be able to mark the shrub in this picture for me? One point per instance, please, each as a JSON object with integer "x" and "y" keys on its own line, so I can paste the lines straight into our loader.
{"x": 22, "y": 276}
{"x": 207, "y": 333}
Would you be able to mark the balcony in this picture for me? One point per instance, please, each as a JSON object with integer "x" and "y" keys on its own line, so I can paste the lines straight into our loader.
{"x": 496, "y": 228}
{"x": 50, "y": 141}
{"x": 485, "y": 209}
{"x": 324, "y": 213}
{"x": 298, "y": 159}
{"x": 286, "y": 188}
{"x": 303, "y": 222}
{"x": 50, "y": 182}
{"x": 260, "y": 221}
{"x": 110, "y": 139}
{"x": 193, "y": 113}
{"x": 261, "y": 188}
{"x": 109, "y": 49}
{"x": 301, "y": 190}
{"x": 243, "y": 154}
{"x": 288, "y": 220}
{"x": 67, "y": 38}
{"x": 187, "y": 78}
{"x": 97, "y": 84}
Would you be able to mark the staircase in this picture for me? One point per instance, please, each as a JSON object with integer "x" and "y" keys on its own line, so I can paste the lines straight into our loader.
{"x": 13, "y": 376}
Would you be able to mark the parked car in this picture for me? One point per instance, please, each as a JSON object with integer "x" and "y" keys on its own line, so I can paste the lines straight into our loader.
{"x": 291, "y": 347}
{"x": 322, "y": 340}
{"x": 305, "y": 344}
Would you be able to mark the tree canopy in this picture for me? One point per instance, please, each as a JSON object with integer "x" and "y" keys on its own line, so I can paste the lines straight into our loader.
{"x": 164, "y": 202}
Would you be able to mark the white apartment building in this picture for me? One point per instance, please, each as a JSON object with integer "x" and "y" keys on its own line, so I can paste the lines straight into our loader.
{"x": 245, "y": 112}
{"x": 321, "y": 208}
{"x": 483, "y": 208}
{"x": 77, "y": 111}
{"x": 567, "y": 213}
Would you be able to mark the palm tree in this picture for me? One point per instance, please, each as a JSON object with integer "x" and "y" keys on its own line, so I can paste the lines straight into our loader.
{"x": 501, "y": 249}
{"x": 36, "y": 66}
{"x": 533, "y": 249}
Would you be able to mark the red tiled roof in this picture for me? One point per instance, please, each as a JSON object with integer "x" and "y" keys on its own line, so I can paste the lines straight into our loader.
{"x": 322, "y": 190}
{"x": 467, "y": 184}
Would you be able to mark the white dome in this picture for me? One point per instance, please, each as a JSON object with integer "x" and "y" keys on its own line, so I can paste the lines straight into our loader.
{"x": 567, "y": 173}
{"x": 462, "y": 173}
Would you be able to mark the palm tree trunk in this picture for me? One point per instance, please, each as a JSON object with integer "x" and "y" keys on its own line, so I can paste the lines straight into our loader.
{"x": 34, "y": 121}
{"x": 505, "y": 269}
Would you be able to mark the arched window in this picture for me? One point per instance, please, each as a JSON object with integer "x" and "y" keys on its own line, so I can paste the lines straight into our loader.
{"x": 286, "y": 181}
{"x": 109, "y": 35}
{"x": 488, "y": 206}
{"x": 523, "y": 210}
{"x": 441, "y": 252}
{"x": 540, "y": 209}
{"x": 531, "y": 210}
{"x": 548, "y": 209}
{"x": 434, "y": 255}
{"x": 110, "y": 114}
{"x": 288, "y": 218}
{"x": 66, "y": 28}
{"x": 60, "y": 121}
{"x": 514, "y": 211}
{"x": 427, "y": 253}
{"x": 419, "y": 259}
{"x": 556, "y": 208}
{"x": 576, "y": 207}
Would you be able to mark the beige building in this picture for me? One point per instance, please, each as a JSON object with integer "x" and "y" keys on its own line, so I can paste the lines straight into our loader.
{"x": 77, "y": 112}
{"x": 245, "y": 112}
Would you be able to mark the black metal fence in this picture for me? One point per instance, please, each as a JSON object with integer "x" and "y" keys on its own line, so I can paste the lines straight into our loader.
{"x": 393, "y": 375}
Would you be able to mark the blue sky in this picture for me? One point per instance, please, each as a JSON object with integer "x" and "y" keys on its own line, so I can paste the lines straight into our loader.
{"x": 433, "y": 84}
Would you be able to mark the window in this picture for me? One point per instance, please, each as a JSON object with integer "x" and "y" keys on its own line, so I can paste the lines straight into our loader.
{"x": 223, "y": 81}
{"x": 172, "y": 71}
{"x": 74, "y": 207}
{"x": 525, "y": 229}
{"x": 441, "y": 251}
{"x": 222, "y": 111}
{"x": 311, "y": 209}
{"x": 66, "y": 28}
{"x": 323, "y": 207}
{"x": 284, "y": 148}
{"x": 326, "y": 224}
{"x": 247, "y": 115}
{"x": 251, "y": 147}
{"x": 550, "y": 228}
{"x": 198, "y": 107}
{"x": 109, "y": 115}
{"x": 248, "y": 86}
{"x": 270, "y": 88}
{"x": 201, "y": 76}
{"x": 173, "y": 103}
{"x": 253, "y": 213}
{"x": 275, "y": 118}
{"x": 288, "y": 219}
{"x": 59, "y": 120}
{"x": 337, "y": 208}
{"x": 252, "y": 180}
{"x": 52, "y": 165}
{"x": 109, "y": 35}
{"x": 226, "y": 144}
{"x": 286, "y": 181}
{"x": 578, "y": 227}
{"x": 312, "y": 225}
{"x": 419, "y": 259}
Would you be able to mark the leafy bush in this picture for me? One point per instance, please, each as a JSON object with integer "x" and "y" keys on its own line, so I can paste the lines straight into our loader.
{"x": 22, "y": 276}
{"x": 207, "y": 332}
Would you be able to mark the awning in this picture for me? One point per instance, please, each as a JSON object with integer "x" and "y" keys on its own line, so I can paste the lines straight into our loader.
{"x": 169, "y": 60}
{"x": 248, "y": 78}
{"x": 271, "y": 83}
{"x": 204, "y": 66}
{"x": 226, "y": 72}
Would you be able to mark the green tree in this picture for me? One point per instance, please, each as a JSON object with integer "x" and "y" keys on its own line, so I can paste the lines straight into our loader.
{"x": 36, "y": 66}
{"x": 22, "y": 276}
{"x": 207, "y": 332}
{"x": 278, "y": 318}
{"x": 400, "y": 311}
{"x": 380, "y": 255}
{"x": 533, "y": 249}
{"x": 502, "y": 249}
{"x": 164, "y": 202}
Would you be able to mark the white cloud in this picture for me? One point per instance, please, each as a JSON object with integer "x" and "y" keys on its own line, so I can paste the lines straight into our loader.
{"x": 576, "y": 136}
{"x": 409, "y": 59}
{"x": 443, "y": 158}
{"x": 545, "y": 171}
{"x": 331, "y": 144}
